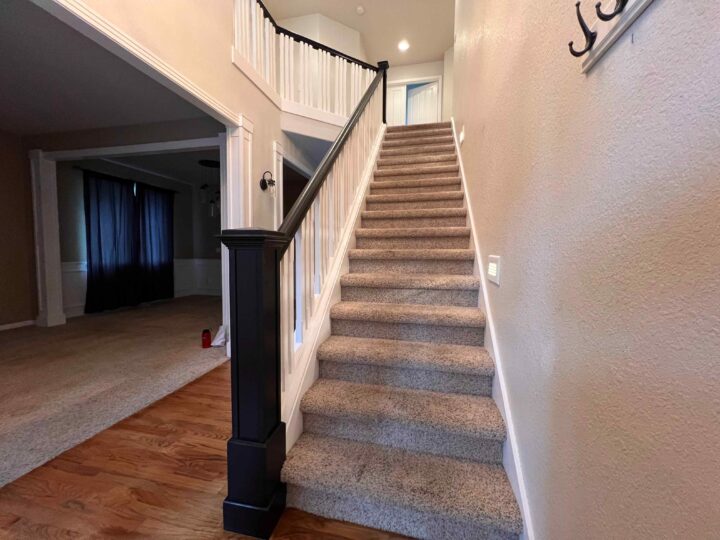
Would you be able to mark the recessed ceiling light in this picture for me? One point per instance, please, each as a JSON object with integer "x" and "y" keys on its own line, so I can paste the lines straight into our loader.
{"x": 360, "y": 10}
{"x": 403, "y": 45}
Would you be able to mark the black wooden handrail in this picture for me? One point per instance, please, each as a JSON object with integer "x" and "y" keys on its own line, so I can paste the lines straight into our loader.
{"x": 316, "y": 45}
{"x": 299, "y": 210}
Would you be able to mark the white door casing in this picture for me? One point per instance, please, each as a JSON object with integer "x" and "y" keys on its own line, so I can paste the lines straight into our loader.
{"x": 396, "y": 105}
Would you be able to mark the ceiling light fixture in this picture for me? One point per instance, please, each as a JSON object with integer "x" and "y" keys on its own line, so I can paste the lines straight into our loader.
{"x": 360, "y": 10}
{"x": 403, "y": 45}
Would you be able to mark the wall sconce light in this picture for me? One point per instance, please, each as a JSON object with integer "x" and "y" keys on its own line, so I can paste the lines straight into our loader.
{"x": 267, "y": 181}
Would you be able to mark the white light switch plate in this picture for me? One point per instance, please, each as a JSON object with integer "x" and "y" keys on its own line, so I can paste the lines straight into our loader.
{"x": 493, "y": 269}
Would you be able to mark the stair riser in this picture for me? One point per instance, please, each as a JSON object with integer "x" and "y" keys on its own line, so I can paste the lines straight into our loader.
{"x": 419, "y": 133}
{"x": 421, "y": 159}
{"x": 380, "y": 514}
{"x": 417, "y": 379}
{"x": 434, "y": 242}
{"x": 455, "y": 335}
{"x": 413, "y": 222}
{"x": 399, "y": 266}
{"x": 375, "y": 190}
{"x": 390, "y": 432}
{"x": 433, "y": 297}
{"x": 426, "y": 150}
{"x": 417, "y": 141}
{"x": 409, "y": 205}
{"x": 419, "y": 176}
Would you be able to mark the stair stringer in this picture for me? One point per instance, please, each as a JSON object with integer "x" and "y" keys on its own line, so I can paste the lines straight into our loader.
{"x": 511, "y": 452}
{"x": 318, "y": 329}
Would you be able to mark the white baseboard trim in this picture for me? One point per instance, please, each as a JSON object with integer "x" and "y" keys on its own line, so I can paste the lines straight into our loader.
{"x": 319, "y": 327}
{"x": 500, "y": 395}
{"x": 13, "y": 326}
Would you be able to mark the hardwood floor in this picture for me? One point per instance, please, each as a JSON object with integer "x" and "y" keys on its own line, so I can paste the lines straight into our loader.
{"x": 157, "y": 474}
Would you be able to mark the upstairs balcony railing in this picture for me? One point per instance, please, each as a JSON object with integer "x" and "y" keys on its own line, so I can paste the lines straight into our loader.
{"x": 298, "y": 69}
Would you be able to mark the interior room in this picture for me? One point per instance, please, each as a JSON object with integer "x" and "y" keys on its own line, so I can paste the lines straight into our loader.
{"x": 134, "y": 233}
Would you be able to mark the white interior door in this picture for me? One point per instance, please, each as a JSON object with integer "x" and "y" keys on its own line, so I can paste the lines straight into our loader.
{"x": 396, "y": 105}
{"x": 423, "y": 106}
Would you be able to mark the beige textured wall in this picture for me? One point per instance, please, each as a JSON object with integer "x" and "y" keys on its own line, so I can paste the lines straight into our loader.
{"x": 196, "y": 40}
{"x": 602, "y": 195}
{"x": 18, "y": 297}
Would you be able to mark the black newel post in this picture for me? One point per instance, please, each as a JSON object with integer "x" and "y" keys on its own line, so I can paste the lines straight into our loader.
{"x": 256, "y": 451}
{"x": 384, "y": 65}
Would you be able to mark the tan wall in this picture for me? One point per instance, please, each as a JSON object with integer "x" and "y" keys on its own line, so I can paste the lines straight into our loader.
{"x": 602, "y": 195}
{"x": 18, "y": 297}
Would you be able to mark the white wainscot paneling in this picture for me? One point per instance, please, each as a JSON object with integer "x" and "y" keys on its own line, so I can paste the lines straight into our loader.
{"x": 192, "y": 276}
{"x": 74, "y": 287}
{"x": 198, "y": 276}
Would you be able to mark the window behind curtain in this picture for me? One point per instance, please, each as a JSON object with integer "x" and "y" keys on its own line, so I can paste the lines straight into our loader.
{"x": 156, "y": 242}
{"x": 129, "y": 242}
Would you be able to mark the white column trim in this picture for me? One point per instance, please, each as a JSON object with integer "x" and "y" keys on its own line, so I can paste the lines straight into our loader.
{"x": 47, "y": 240}
{"x": 278, "y": 158}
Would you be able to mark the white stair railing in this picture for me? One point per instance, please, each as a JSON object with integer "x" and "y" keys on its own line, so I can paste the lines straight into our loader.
{"x": 299, "y": 69}
{"x": 318, "y": 223}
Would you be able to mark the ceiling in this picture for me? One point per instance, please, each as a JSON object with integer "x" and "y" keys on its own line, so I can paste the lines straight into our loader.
{"x": 180, "y": 166}
{"x": 54, "y": 79}
{"x": 428, "y": 25}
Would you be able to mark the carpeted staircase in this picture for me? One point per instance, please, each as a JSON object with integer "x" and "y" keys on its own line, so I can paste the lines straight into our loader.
{"x": 400, "y": 431}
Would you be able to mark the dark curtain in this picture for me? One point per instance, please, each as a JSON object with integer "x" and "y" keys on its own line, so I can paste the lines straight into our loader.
{"x": 129, "y": 228}
{"x": 156, "y": 242}
{"x": 111, "y": 224}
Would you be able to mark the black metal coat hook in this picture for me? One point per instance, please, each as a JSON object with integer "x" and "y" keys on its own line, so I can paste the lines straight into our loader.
{"x": 590, "y": 36}
{"x": 619, "y": 8}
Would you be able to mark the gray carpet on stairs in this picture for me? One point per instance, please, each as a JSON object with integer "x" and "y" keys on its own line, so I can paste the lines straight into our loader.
{"x": 400, "y": 431}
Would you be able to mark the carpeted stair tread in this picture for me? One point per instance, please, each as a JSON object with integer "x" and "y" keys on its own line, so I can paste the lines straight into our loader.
{"x": 411, "y": 281}
{"x": 415, "y": 232}
{"x": 413, "y": 254}
{"x": 419, "y": 127}
{"x": 428, "y": 132}
{"x": 472, "y": 416}
{"x": 416, "y": 159}
{"x": 407, "y": 170}
{"x": 414, "y": 213}
{"x": 414, "y": 197}
{"x": 415, "y": 150}
{"x": 409, "y": 314}
{"x": 408, "y": 184}
{"x": 478, "y": 495}
{"x": 407, "y": 354}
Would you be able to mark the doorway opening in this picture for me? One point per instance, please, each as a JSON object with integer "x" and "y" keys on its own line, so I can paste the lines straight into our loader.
{"x": 414, "y": 102}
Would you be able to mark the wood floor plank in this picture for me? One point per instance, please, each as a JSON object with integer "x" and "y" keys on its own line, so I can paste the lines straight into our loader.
{"x": 159, "y": 474}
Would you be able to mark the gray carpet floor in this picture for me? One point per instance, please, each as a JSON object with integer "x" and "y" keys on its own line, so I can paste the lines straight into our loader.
{"x": 60, "y": 386}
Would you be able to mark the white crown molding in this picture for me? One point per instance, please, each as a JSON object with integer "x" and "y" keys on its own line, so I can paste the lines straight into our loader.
{"x": 89, "y": 23}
